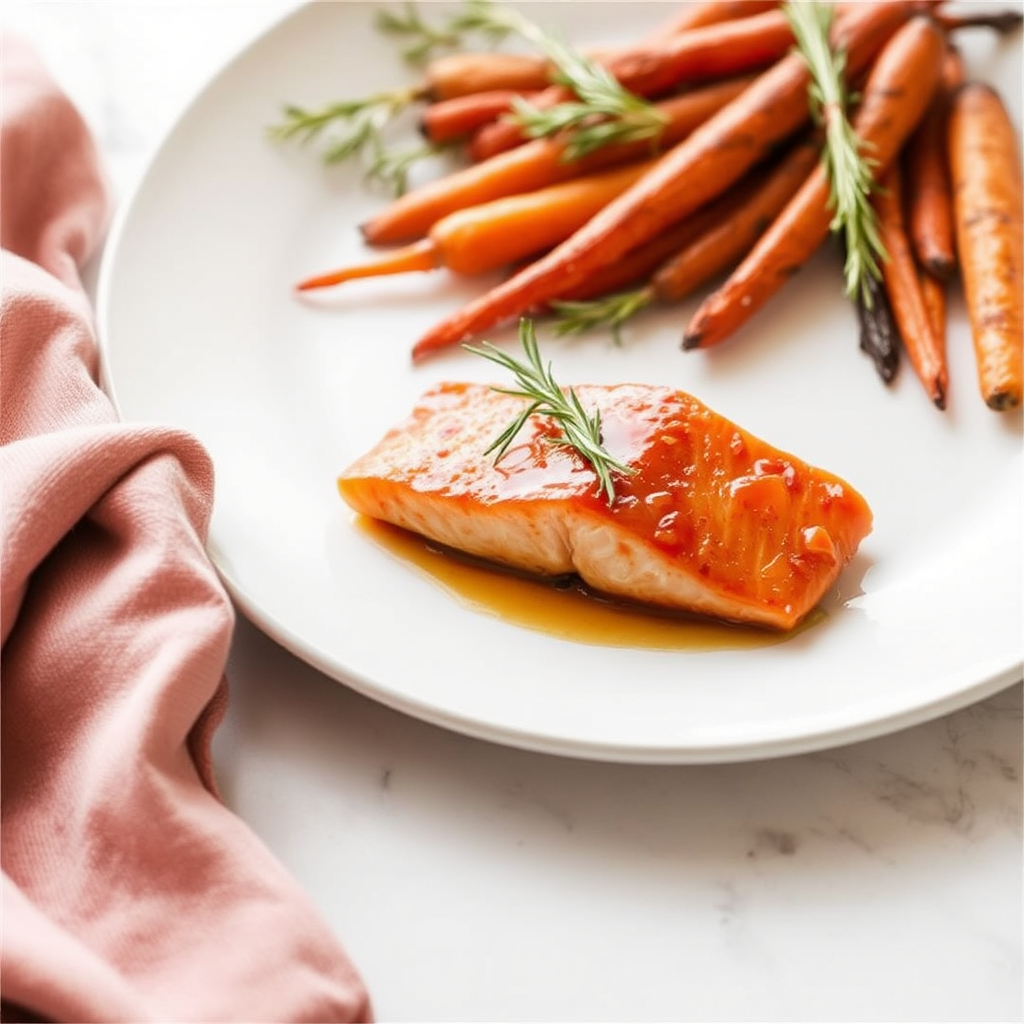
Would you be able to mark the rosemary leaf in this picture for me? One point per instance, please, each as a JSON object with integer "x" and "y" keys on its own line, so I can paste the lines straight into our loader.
{"x": 354, "y": 128}
{"x": 391, "y": 167}
{"x": 604, "y": 112}
{"x": 422, "y": 39}
{"x": 577, "y": 317}
{"x": 580, "y": 430}
{"x": 849, "y": 168}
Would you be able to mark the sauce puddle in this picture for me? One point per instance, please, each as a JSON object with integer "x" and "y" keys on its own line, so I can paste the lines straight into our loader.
{"x": 565, "y": 607}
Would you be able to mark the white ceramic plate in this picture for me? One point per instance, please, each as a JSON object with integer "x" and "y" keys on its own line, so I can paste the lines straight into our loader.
{"x": 200, "y": 329}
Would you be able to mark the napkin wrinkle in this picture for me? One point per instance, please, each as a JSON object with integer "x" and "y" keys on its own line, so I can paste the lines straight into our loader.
{"x": 130, "y": 892}
{"x": 55, "y": 201}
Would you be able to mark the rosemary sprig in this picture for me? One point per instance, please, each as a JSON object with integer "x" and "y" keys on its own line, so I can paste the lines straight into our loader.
{"x": 353, "y": 128}
{"x": 849, "y": 168}
{"x": 391, "y": 167}
{"x": 604, "y": 112}
{"x": 577, "y": 317}
{"x": 425, "y": 39}
{"x": 580, "y": 430}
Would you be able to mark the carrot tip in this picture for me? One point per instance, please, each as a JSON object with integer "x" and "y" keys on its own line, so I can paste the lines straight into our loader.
{"x": 312, "y": 283}
{"x": 939, "y": 268}
{"x": 1001, "y": 401}
{"x": 690, "y": 342}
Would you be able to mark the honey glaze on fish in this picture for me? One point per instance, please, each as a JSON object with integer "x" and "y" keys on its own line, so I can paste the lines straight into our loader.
{"x": 713, "y": 521}
{"x": 565, "y": 607}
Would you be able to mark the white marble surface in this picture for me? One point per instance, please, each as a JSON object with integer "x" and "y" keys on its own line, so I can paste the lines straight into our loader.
{"x": 876, "y": 882}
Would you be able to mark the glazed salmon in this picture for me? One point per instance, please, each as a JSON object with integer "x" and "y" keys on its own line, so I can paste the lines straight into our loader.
{"x": 714, "y": 521}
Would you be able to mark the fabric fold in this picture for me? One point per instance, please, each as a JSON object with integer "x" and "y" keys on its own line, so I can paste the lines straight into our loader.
{"x": 129, "y": 891}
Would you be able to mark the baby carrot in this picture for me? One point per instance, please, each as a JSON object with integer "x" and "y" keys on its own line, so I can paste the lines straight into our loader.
{"x": 933, "y": 291}
{"x": 928, "y": 189}
{"x": 986, "y": 171}
{"x": 879, "y": 335}
{"x": 893, "y": 100}
{"x": 698, "y": 15}
{"x": 1001, "y": 22}
{"x": 697, "y": 170}
{"x": 461, "y": 74}
{"x": 498, "y": 233}
{"x": 457, "y": 118}
{"x": 903, "y": 288}
{"x": 693, "y": 252}
{"x": 535, "y": 165}
{"x": 713, "y": 51}
{"x": 739, "y": 225}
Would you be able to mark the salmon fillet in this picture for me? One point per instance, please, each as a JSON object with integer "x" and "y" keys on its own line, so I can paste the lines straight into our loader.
{"x": 715, "y": 521}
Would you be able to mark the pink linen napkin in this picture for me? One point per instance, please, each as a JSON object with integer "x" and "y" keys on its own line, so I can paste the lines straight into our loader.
{"x": 129, "y": 891}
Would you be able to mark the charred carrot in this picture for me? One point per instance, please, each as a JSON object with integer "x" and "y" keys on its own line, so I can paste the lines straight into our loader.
{"x": 929, "y": 193}
{"x": 739, "y": 223}
{"x": 496, "y": 234}
{"x": 898, "y": 90}
{"x": 697, "y": 170}
{"x": 461, "y": 74}
{"x": 879, "y": 335}
{"x": 1001, "y": 22}
{"x": 698, "y": 15}
{"x": 536, "y": 165}
{"x": 714, "y": 51}
{"x": 985, "y": 164}
{"x": 706, "y": 244}
{"x": 903, "y": 288}
{"x": 448, "y": 119}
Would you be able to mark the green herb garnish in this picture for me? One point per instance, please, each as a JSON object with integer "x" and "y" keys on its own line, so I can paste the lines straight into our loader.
{"x": 580, "y": 430}
{"x": 849, "y": 168}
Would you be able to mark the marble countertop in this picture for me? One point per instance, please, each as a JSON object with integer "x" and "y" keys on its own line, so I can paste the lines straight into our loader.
{"x": 880, "y": 881}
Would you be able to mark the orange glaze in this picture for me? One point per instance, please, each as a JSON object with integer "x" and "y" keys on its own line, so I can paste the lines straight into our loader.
{"x": 563, "y": 607}
{"x": 708, "y": 493}
{"x": 714, "y": 521}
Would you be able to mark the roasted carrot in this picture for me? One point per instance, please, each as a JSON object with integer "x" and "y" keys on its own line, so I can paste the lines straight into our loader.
{"x": 739, "y": 222}
{"x": 1001, "y": 22}
{"x": 714, "y": 51}
{"x": 928, "y": 190}
{"x": 879, "y": 335}
{"x": 986, "y": 171}
{"x": 459, "y": 117}
{"x": 933, "y": 291}
{"x": 898, "y": 90}
{"x": 498, "y": 233}
{"x": 697, "y": 170}
{"x": 536, "y": 165}
{"x": 700, "y": 55}
{"x": 903, "y": 287}
{"x": 461, "y": 74}
{"x": 503, "y": 134}
{"x": 698, "y": 15}
{"x": 694, "y": 251}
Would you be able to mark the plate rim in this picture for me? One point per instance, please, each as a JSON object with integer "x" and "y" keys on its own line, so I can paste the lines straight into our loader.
{"x": 997, "y": 678}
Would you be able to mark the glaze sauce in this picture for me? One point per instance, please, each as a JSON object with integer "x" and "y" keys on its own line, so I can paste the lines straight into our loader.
{"x": 564, "y": 608}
